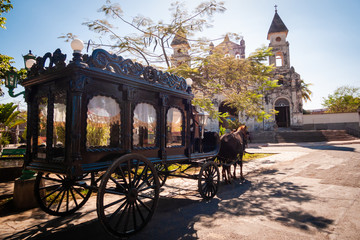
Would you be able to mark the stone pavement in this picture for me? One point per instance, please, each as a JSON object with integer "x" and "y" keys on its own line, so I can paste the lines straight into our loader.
{"x": 35, "y": 224}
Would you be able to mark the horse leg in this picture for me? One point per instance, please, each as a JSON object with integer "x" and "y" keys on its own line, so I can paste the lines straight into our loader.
{"x": 241, "y": 167}
{"x": 234, "y": 175}
{"x": 228, "y": 174}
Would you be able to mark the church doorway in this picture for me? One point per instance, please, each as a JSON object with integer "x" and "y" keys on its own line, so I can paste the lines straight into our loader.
{"x": 282, "y": 118}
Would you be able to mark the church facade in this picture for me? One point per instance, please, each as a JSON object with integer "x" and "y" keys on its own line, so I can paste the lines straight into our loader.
{"x": 286, "y": 99}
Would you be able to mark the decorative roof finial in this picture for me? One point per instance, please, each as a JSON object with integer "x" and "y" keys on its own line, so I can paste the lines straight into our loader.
{"x": 276, "y": 8}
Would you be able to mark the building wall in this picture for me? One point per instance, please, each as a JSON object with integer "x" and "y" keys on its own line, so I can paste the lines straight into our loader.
{"x": 331, "y": 121}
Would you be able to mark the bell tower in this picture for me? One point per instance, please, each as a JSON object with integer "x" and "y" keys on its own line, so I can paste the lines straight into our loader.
{"x": 277, "y": 35}
{"x": 181, "y": 48}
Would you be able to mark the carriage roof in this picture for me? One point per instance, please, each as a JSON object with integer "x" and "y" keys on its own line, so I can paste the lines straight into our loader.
{"x": 110, "y": 68}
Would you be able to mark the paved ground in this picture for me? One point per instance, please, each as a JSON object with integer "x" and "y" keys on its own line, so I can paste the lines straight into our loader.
{"x": 306, "y": 191}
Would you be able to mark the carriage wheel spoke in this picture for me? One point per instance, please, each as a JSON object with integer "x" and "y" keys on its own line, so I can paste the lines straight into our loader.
{"x": 52, "y": 202}
{"x": 61, "y": 200}
{"x": 135, "y": 174}
{"x": 127, "y": 218}
{"x": 140, "y": 177}
{"x": 143, "y": 204}
{"x": 134, "y": 216}
{"x": 67, "y": 199}
{"x": 147, "y": 188}
{"x": 139, "y": 211}
{"x": 78, "y": 192}
{"x": 121, "y": 215}
{"x": 73, "y": 196}
{"x": 118, "y": 209}
{"x": 124, "y": 178}
{"x": 116, "y": 202}
{"x": 117, "y": 183}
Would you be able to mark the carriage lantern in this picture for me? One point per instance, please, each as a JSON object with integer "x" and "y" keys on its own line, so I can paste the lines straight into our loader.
{"x": 29, "y": 60}
{"x": 203, "y": 116}
{"x": 189, "y": 82}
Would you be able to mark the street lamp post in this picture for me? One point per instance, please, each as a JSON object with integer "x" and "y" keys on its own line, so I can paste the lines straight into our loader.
{"x": 12, "y": 78}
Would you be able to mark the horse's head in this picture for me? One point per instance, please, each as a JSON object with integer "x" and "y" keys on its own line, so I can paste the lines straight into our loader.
{"x": 242, "y": 130}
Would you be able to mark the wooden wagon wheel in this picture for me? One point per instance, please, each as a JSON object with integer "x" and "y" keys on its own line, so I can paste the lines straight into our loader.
{"x": 60, "y": 195}
{"x": 126, "y": 201}
{"x": 209, "y": 179}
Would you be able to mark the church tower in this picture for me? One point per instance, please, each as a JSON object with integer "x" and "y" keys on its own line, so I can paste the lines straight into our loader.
{"x": 181, "y": 48}
{"x": 277, "y": 35}
{"x": 286, "y": 99}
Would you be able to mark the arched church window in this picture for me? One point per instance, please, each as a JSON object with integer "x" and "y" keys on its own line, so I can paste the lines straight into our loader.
{"x": 237, "y": 56}
{"x": 278, "y": 60}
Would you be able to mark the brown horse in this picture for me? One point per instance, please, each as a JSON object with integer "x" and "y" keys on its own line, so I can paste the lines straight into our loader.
{"x": 232, "y": 148}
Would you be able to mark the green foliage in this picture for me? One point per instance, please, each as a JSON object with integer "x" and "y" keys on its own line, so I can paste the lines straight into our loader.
{"x": 5, "y": 6}
{"x": 96, "y": 135}
{"x": 9, "y": 118}
{"x": 4, "y": 139}
{"x": 222, "y": 130}
{"x": 344, "y": 99}
{"x": 243, "y": 82}
{"x": 5, "y": 66}
{"x": 305, "y": 91}
{"x": 60, "y": 133}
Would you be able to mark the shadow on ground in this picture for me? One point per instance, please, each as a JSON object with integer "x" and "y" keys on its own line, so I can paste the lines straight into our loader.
{"x": 175, "y": 218}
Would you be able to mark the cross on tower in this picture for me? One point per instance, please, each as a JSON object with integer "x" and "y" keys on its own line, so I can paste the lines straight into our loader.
{"x": 276, "y": 8}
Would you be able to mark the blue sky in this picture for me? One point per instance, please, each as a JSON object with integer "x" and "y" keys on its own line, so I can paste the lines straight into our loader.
{"x": 323, "y": 34}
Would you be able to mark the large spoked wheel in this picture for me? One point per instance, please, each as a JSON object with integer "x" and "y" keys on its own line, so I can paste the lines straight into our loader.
{"x": 126, "y": 201}
{"x": 61, "y": 195}
{"x": 209, "y": 179}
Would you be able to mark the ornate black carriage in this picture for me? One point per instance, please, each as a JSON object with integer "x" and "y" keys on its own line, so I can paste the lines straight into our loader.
{"x": 105, "y": 124}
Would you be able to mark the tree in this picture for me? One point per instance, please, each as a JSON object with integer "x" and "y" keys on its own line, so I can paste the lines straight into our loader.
{"x": 305, "y": 91}
{"x": 151, "y": 40}
{"x": 243, "y": 82}
{"x": 5, "y": 6}
{"x": 344, "y": 99}
{"x": 9, "y": 118}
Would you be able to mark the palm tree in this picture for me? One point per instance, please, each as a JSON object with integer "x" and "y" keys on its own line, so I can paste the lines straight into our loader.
{"x": 305, "y": 91}
{"x": 9, "y": 118}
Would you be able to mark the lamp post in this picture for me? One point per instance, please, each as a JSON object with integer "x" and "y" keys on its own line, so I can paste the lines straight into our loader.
{"x": 12, "y": 78}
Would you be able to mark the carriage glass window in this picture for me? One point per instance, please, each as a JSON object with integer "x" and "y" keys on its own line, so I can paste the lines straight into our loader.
{"x": 42, "y": 114}
{"x": 103, "y": 122}
{"x": 174, "y": 127}
{"x": 59, "y": 124}
{"x": 144, "y": 128}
